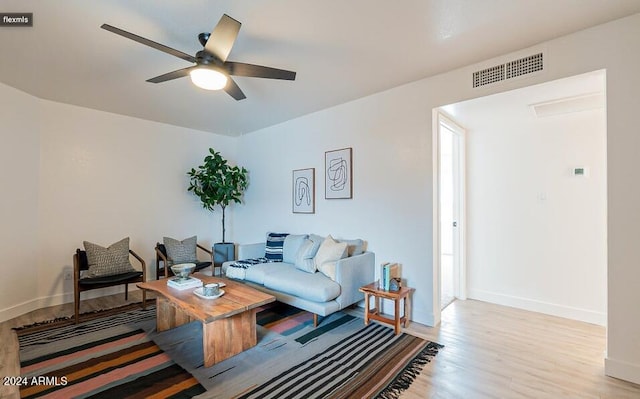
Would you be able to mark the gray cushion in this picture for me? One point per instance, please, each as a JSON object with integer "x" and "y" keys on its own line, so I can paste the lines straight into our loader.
{"x": 108, "y": 261}
{"x": 304, "y": 257}
{"x": 312, "y": 286}
{"x": 181, "y": 251}
{"x": 256, "y": 273}
{"x": 291, "y": 245}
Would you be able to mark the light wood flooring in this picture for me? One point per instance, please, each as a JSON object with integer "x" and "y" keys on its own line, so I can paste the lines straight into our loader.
{"x": 491, "y": 351}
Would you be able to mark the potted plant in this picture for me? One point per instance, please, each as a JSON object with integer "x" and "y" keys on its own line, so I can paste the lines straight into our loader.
{"x": 215, "y": 182}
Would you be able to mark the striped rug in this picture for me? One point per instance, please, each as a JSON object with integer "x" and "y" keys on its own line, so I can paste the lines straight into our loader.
{"x": 122, "y": 356}
{"x": 112, "y": 357}
{"x": 371, "y": 363}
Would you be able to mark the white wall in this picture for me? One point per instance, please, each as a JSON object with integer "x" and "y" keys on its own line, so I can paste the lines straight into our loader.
{"x": 79, "y": 174}
{"x": 19, "y": 179}
{"x": 536, "y": 234}
{"x": 390, "y": 133}
{"x": 391, "y": 204}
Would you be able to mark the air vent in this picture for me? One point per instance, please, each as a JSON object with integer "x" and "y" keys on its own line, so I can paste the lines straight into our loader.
{"x": 524, "y": 66}
{"x": 489, "y": 75}
{"x": 512, "y": 69}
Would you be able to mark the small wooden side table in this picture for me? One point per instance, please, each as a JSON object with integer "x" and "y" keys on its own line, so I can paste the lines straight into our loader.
{"x": 375, "y": 314}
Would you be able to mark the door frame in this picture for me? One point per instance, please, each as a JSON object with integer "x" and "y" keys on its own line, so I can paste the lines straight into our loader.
{"x": 440, "y": 117}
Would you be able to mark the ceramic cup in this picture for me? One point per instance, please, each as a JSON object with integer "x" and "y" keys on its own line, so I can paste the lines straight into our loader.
{"x": 211, "y": 289}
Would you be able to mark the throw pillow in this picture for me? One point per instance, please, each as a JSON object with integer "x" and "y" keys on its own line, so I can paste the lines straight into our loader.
{"x": 273, "y": 248}
{"x": 108, "y": 261}
{"x": 317, "y": 241}
{"x": 354, "y": 247}
{"x": 180, "y": 251}
{"x": 291, "y": 245}
{"x": 330, "y": 251}
{"x": 304, "y": 257}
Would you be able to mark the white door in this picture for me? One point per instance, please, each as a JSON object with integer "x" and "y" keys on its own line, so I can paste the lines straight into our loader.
{"x": 451, "y": 210}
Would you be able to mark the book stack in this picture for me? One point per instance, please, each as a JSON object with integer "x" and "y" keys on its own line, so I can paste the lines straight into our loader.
{"x": 184, "y": 283}
{"x": 388, "y": 271}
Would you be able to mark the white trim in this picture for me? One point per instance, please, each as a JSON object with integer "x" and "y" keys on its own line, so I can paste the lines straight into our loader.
{"x": 587, "y": 316}
{"x": 59, "y": 299}
{"x": 435, "y": 226}
{"x": 622, "y": 370}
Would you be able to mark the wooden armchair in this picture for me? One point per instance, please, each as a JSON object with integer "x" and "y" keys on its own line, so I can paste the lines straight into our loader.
{"x": 80, "y": 263}
{"x": 161, "y": 256}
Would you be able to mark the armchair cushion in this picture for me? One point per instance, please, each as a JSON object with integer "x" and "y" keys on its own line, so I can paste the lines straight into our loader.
{"x": 181, "y": 251}
{"x": 109, "y": 279}
{"x": 108, "y": 261}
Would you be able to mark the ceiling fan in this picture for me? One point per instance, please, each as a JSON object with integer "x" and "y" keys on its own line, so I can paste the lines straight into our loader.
{"x": 212, "y": 70}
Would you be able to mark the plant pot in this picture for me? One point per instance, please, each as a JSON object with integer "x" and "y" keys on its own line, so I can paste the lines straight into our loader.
{"x": 222, "y": 252}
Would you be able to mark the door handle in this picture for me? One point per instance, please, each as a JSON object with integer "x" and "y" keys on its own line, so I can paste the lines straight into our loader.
{"x": 455, "y": 224}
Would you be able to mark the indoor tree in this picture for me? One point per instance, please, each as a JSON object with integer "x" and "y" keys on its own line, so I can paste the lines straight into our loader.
{"x": 215, "y": 182}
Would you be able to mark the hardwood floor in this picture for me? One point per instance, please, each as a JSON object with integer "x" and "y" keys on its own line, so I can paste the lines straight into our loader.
{"x": 491, "y": 351}
{"x": 494, "y": 351}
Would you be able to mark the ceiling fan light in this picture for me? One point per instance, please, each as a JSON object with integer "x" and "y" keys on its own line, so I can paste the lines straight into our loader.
{"x": 208, "y": 79}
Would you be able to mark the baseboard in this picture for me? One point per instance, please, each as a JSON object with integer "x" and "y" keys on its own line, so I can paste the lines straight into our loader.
{"x": 622, "y": 370}
{"x": 417, "y": 314}
{"x": 58, "y": 299}
{"x": 587, "y": 316}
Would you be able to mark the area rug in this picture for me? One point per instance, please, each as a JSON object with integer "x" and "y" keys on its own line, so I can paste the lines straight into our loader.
{"x": 123, "y": 356}
{"x": 110, "y": 357}
{"x": 341, "y": 358}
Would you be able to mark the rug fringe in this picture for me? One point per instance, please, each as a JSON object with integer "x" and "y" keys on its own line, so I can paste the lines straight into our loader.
{"x": 405, "y": 378}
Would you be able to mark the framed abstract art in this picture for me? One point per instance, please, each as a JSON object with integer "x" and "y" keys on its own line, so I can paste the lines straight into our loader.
{"x": 338, "y": 180}
{"x": 304, "y": 190}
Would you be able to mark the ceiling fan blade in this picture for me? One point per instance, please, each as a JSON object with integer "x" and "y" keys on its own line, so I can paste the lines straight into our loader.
{"x": 149, "y": 43}
{"x": 222, "y": 37}
{"x": 233, "y": 90}
{"x": 171, "y": 75}
{"x": 258, "y": 71}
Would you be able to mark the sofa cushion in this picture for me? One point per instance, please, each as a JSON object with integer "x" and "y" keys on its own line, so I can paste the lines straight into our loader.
{"x": 256, "y": 273}
{"x": 181, "y": 251}
{"x": 108, "y": 261}
{"x": 329, "y": 251}
{"x": 311, "y": 286}
{"x": 291, "y": 245}
{"x": 354, "y": 247}
{"x": 275, "y": 243}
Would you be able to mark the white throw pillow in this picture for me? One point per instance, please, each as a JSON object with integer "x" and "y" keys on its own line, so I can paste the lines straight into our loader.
{"x": 330, "y": 251}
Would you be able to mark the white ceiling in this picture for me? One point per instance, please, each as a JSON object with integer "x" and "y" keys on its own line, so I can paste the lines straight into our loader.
{"x": 484, "y": 112}
{"x": 341, "y": 49}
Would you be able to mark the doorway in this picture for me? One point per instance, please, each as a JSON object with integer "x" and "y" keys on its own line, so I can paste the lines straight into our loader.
{"x": 451, "y": 156}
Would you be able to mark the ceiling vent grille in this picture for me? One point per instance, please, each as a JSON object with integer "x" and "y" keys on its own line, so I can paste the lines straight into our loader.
{"x": 523, "y": 66}
{"x": 489, "y": 75}
{"x": 511, "y": 69}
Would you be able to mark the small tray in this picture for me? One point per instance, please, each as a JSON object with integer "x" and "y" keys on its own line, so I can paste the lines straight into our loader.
{"x": 199, "y": 294}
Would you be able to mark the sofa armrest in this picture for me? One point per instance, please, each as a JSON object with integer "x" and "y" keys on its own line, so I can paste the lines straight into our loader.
{"x": 251, "y": 251}
{"x": 352, "y": 273}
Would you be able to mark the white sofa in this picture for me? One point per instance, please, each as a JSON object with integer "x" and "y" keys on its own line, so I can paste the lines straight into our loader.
{"x": 295, "y": 280}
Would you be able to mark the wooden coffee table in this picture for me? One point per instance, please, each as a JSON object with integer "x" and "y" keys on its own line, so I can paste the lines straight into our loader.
{"x": 228, "y": 322}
